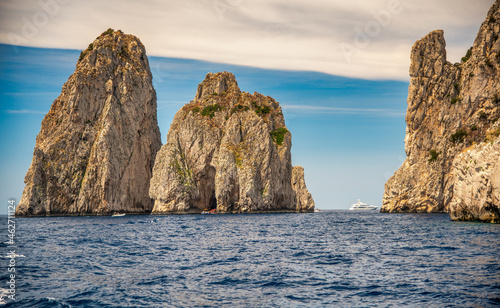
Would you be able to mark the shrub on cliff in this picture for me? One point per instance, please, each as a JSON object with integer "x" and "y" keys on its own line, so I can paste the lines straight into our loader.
{"x": 279, "y": 135}
{"x": 434, "y": 155}
{"x": 210, "y": 110}
{"x": 459, "y": 136}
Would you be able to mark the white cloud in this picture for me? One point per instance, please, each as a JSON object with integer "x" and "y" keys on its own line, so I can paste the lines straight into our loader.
{"x": 358, "y": 38}
{"x": 339, "y": 110}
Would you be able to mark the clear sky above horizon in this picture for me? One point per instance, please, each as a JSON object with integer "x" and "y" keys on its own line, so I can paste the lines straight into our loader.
{"x": 343, "y": 98}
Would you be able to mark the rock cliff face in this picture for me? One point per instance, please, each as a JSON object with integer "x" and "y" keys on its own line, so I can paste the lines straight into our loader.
{"x": 452, "y": 114}
{"x": 97, "y": 144}
{"x": 305, "y": 201}
{"x": 228, "y": 150}
{"x": 476, "y": 178}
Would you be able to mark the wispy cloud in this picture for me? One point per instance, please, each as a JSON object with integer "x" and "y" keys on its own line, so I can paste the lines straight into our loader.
{"x": 36, "y": 94}
{"x": 25, "y": 111}
{"x": 340, "y": 110}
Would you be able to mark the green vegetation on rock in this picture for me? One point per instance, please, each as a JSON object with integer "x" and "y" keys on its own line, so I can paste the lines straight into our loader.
{"x": 260, "y": 110}
{"x": 108, "y": 32}
{"x": 279, "y": 135}
{"x": 239, "y": 107}
{"x": 434, "y": 155}
{"x": 82, "y": 55}
{"x": 210, "y": 110}
{"x": 467, "y": 55}
{"x": 459, "y": 136}
{"x": 181, "y": 167}
{"x": 455, "y": 99}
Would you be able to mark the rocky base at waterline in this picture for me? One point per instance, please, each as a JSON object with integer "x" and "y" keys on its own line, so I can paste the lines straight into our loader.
{"x": 452, "y": 130}
{"x": 97, "y": 144}
{"x": 230, "y": 151}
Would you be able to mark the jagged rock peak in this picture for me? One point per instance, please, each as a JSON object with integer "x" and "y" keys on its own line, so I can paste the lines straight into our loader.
{"x": 228, "y": 151}
{"x": 486, "y": 42}
{"x": 97, "y": 144}
{"x": 428, "y": 55}
{"x": 116, "y": 48}
{"x": 452, "y": 109}
{"x": 215, "y": 84}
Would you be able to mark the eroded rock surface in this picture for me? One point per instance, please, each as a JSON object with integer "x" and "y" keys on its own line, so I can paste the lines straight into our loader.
{"x": 476, "y": 178}
{"x": 97, "y": 144}
{"x": 305, "y": 201}
{"x": 451, "y": 108}
{"x": 227, "y": 150}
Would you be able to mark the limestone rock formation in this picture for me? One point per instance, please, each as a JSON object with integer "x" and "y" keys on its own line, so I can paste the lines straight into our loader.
{"x": 97, "y": 144}
{"x": 227, "y": 150}
{"x": 476, "y": 178}
{"x": 451, "y": 107}
{"x": 305, "y": 202}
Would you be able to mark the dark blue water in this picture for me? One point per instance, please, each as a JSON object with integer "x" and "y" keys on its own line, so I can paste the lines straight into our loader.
{"x": 338, "y": 259}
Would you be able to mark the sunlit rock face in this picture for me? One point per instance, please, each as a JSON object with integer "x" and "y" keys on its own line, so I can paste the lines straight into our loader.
{"x": 228, "y": 151}
{"x": 452, "y": 115}
{"x": 97, "y": 144}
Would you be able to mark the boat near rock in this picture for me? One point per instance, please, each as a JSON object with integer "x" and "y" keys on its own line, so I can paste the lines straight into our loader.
{"x": 213, "y": 211}
{"x": 360, "y": 206}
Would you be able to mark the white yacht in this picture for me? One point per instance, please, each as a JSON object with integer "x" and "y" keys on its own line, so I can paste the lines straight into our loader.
{"x": 360, "y": 206}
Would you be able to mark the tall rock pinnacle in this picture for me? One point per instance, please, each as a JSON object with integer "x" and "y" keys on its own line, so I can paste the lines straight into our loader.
{"x": 452, "y": 134}
{"x": 97, "y": 144}
{"x": 228, "y": 150}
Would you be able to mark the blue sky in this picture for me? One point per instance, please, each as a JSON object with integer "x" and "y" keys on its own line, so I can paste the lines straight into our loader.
{"x": 338, "y": 68}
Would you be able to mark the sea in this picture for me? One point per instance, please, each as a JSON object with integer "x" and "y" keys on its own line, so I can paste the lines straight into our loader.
{"x": 326, "y": 259}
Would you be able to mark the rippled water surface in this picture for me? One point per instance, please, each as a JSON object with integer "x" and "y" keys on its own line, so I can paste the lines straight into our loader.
{"x": 336, "y": 258}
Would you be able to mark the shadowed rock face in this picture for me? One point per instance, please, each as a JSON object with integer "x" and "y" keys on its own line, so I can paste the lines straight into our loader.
{"x": 452, "y": 109}
{"x": 97, "y": 144}
{"x": 227, "y": 150}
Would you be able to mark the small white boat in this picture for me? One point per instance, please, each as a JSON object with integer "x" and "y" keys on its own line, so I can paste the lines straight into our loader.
{"x": 213, "y": 211}
{"x": 316, "y": 210}
{"x": 118, "y": 215}
{"x": 360, "y": 206}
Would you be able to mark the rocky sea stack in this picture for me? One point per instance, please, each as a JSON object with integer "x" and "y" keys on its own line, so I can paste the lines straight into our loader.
{"x": 97, "y": 144}
{"x": 452, "y": 136}
{"x": 228, "y": 151}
